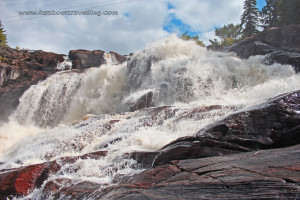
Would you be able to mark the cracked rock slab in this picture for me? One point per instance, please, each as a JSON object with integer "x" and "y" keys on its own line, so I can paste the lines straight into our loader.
{"x": 266, "y": 174}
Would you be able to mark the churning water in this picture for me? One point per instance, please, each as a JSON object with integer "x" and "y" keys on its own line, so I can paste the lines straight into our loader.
{"x": 71, "y": 112}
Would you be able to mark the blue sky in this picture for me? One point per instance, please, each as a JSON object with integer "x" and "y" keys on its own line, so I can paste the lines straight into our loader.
{"x": 174, "y": 24}
{"x": 138, "y": 23}
{"x": 261, "y": 3}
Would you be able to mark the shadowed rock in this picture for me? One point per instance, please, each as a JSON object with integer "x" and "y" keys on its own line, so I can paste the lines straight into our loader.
{"x": 269, "y": 174}
{"x": 271, "y": 125}
{"x": 145, "y": 101}
{"x": 282, "y": 45}
{"x": 82, "y": 59}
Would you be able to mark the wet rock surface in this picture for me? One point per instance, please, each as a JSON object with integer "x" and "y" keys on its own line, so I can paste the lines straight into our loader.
{"x": 281, "y": 45}
{"x": 273, "y": 124}
{"x": 22, "y": 181}
{"x": 264, "y": 174}
{"x": 145, "y": 101}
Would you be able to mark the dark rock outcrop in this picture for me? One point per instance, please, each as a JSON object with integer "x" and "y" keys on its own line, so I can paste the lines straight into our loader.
{"x": 272, "y": 125}
{"x": 282, "y": 45}
{"x": 18, "y": 70}
{"x": 145, "y": 101}
{"x": 82, "y": 59}
{"x": 267, "y": 174}
{"x": 21, "y": 67}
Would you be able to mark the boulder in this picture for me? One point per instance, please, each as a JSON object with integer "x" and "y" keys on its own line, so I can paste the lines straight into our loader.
{"x": 284, "y": 58}
{"x": 282, "y": 45}
{"x": 144, "y": 101}
{"x": 82, "y": 59}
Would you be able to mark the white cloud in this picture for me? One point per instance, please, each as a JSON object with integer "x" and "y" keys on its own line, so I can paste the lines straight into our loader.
{"x": 206, "y": 14}
{"x": 206, "y": 36}
{"x": 121, "y": 33}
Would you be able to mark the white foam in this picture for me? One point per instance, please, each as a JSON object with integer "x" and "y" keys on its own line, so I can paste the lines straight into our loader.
{"x": 66, "y": 64}
{"x": 44, "y": 104}
{"x": 100, "y": 92}
{"x": 12, "y": 132}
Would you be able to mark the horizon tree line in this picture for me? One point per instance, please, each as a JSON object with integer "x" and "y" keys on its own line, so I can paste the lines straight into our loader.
{"x": 275, "y": 13}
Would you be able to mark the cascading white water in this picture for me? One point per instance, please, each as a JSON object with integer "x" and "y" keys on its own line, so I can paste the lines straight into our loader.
{"x": 179, "y": 73}
{"x": 182, "y": 72}
{"x": 45, "y": 104}
{"x": 100, "y": 93}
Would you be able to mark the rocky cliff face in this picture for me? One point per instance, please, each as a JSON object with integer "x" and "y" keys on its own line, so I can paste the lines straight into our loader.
{"x": 281, "y": 45}
{"x": 18, "y": 70}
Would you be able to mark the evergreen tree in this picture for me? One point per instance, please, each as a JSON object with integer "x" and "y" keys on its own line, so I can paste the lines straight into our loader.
{"x": 215, "y": 43}
{"x": 185, "y": 36}
{"x": 280, "y": 13}
{"x": 3, "y": 41}
{"x": 229, "y": 32}
{"x": 271, "y": 13}
{"x": 249, "y": 19}
{"x": 290, "y": 12}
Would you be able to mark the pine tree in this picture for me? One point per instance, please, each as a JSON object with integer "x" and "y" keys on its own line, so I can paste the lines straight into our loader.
{"x": 229, "y": 31}
{"x": 249, "y": 19}
{"x": 271, "y": 14}
{"x": 185, "y": 36}
{"x": 290, "y": 12}
{"x": 3, "y": 41}
{"x": 280, "y": 13}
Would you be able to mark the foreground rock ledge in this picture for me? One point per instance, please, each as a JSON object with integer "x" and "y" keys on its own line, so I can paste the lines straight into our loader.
{"x": 267, "y": 174}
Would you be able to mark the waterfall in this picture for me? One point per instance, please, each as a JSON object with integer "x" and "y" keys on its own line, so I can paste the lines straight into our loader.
{"x": 73, "y": 113}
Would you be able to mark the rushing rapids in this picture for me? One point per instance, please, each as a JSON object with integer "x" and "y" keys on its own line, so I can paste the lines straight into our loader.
{"x": 73, "y": 113}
